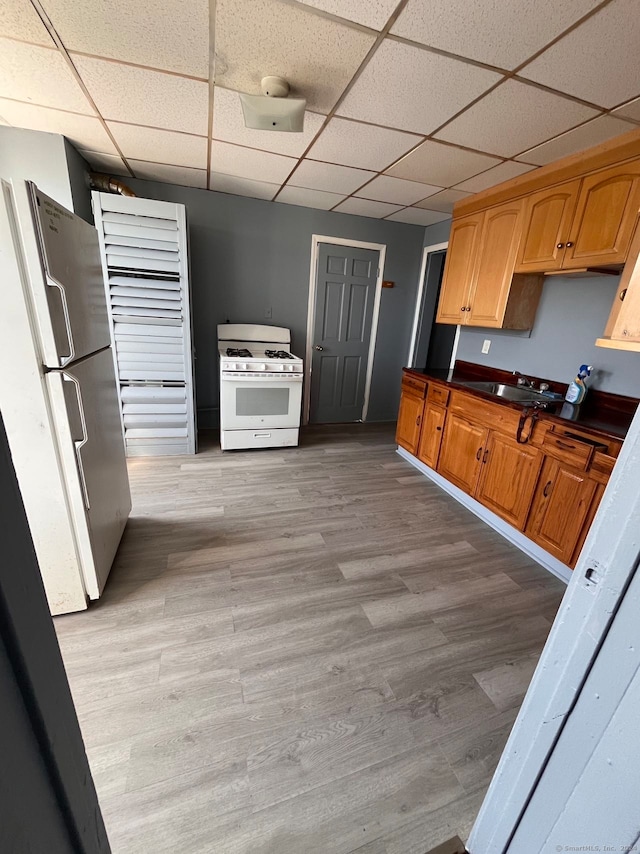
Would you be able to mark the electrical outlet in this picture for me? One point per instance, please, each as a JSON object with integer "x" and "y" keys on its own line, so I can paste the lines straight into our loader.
{"x": 268, "y": 314}
{"x": 486, "y": 345}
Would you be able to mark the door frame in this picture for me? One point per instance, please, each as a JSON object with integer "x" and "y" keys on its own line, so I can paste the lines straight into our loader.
{"x": 381, "y": 248}
{"x": 426, "y": 251}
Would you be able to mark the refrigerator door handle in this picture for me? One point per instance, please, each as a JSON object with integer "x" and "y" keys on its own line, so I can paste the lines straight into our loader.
{"x": 64, "y": 360}
{"x": 80, "y": 443}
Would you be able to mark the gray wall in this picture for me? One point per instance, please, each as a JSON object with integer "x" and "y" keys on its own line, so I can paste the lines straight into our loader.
{"x": 249, "y": 255}
{"x": 48, "y": 160}
{"x": 572, "y": 314}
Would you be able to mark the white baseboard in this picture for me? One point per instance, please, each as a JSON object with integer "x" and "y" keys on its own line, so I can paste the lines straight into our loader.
{"x": 504, "y": 528}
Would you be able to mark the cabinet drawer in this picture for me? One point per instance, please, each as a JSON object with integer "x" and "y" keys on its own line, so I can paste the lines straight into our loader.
{"x": 601, "y": 466}
{"x": 415, "y": 386}
{"x": 571, "y": 449}
{"x": 438, "y": 395}
{"x": 493, "y": 415}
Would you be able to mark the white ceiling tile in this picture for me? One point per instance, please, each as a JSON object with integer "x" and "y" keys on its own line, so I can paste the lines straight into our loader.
{"x": 356, "y": 144}
{"x": 498, "y": 33}
{"x": 592, "y": 133}
{"x": 443, "y": 201}
{"x": 630, "y": 110}
{"x": 370, "y": 13}
{"x": 309, "y": 198}
{"x": 409, "y": 88}
{"x": 366, "y": 207}
{"x": 417, "y": 216}
{"x": 182, "y": 175}
{"x": 38, "y": 75}
{"x": 19, "y": 20}
{"x": 504, "y": 172}
{"x": 112, "y": 164}
{"x": 599, "y": 61}
{"x": 228, "y": 126}
{"x": 124, "y": 93}
{"x": 442, "y": 165}
{"x": 83, "y": 131}
{"x": 242, "y": 186}
{"x": 316, "y": 55}
{"x": 514, "y": 117}
{"x": 160, "y": 146}
{"x": 330, "y": 178}
{"x": 249, "y": 163}
{"x": 162, "y": 35}
{"x": 396, "y": 190}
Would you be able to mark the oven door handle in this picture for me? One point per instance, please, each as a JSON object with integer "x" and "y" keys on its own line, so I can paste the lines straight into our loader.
{"x": 240, "y": 377}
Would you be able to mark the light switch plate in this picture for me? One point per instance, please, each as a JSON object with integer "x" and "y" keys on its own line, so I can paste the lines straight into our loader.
{"x": 486, "y": 345}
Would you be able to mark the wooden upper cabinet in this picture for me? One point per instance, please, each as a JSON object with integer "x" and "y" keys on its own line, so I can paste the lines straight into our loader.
{"x": 605, "y": 217}
{"x": 460, "y": 267}
{"x": 494, "y": 273}
{"x": 547, "y": 221}
{"x": 560, "y": 509}
{"x": 461, "y": 454}
{"x": 508, "y": 478}
{"x": 623, "y": 328}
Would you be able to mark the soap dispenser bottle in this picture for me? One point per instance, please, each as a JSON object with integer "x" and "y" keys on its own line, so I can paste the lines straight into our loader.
{"x": 578, "y": 388}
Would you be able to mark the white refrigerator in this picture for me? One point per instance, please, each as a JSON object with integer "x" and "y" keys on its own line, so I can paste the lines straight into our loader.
{"x": 58, "y": 393}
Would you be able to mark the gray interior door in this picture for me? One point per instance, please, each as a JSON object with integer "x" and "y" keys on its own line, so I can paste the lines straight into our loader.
{"x": 345, "y": 291}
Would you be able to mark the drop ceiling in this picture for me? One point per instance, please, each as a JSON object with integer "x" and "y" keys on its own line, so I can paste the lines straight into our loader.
{"x": 411, "y": 105}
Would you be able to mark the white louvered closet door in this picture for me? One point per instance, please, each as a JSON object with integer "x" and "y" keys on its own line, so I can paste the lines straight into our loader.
{"x": 144, "y": 256}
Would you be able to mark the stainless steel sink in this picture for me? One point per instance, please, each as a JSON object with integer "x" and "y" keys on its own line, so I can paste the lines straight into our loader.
{"x": 508, "y": 392}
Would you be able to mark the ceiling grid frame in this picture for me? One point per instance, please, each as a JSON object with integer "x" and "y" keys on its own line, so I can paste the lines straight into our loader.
{"x": 519, "y": 158}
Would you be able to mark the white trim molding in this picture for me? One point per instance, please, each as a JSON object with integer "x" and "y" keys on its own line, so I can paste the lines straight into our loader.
{"x": 508, "y": 531}
{"x": 316, "y": 240}
{"x": 427, "y": 250}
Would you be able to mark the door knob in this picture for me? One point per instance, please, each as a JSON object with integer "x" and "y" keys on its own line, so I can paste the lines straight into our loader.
{"x": 318, "y": 347}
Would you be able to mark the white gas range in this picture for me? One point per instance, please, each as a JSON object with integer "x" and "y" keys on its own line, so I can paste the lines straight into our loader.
{"x": 260, "y": 387}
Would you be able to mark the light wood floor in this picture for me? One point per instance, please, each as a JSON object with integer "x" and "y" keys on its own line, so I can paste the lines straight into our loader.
{"x": 300, "y": 651}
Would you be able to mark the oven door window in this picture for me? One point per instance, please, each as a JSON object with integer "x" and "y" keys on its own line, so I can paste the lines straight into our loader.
{"x": 261, "y": 401}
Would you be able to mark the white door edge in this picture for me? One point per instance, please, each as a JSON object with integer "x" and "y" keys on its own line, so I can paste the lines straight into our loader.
{"x": 381, "y": 248}
{"x": 426, "y": 251}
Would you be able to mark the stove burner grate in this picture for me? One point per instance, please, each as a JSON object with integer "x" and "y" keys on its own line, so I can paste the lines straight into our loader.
{"x": 277, "y": 354}
{"x": 238, "y": 354}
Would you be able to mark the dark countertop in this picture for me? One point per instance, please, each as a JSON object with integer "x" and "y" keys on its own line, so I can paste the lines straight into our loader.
{"x": 608, "y": 415}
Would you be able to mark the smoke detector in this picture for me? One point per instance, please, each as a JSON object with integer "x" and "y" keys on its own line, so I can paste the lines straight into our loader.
{"x": 273, "y": 110}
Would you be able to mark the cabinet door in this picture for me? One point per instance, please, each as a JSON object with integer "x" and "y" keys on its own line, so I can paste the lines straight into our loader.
{"x": 461, "y": 453}
{"x": 409, "y": 421}
{"x": 547, "y": 220}
{"x": 459, "y": 269}
{"x": 605, "y": 217}
{"x": 431, "y": 436}
{"x": 497, "y": 255}
{"x": 560, "y": 509}
{"x": 508, "y": 478}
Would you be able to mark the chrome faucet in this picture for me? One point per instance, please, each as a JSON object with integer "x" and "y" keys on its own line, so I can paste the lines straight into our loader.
{"x": 524, "y": 381}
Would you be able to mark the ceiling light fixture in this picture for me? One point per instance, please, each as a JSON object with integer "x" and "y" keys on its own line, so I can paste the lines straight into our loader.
{"x": 273, "y": 110}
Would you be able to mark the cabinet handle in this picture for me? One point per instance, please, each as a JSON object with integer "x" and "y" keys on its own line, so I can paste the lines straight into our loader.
{"x": 560, "y": 245}
{"x": 468, "y": 308}
{"x": 622, "y": 295}
{"x": 479, "y": 454}
{"x": 545, "y": 491}
{"x": 438, "y": 428}
{"x": 463, "y": 308}
{"x": 565, "y": 445}
{"x": 569, "y": 244}
{"x": 418, "y": 420}
{"x": 484, "y": 456}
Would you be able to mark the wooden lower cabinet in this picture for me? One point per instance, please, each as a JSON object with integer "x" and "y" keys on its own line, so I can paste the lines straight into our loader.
{"x": 461, "y": 456}
{"x": 431, "y": 436}
{"x": 508, "y": 478}
{"x": 561, "y": 507}
{"x": 409, "y": 420}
